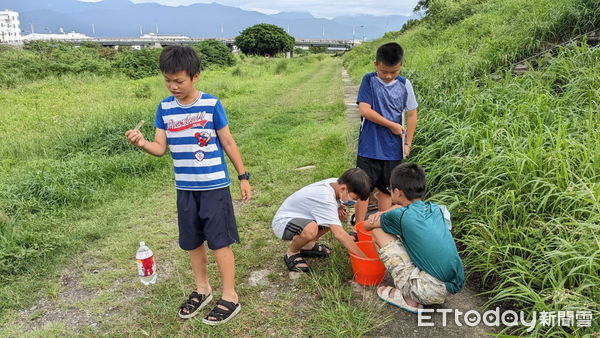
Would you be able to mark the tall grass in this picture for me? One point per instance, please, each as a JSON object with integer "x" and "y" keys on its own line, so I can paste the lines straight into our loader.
{"x": 63, "y": 151}
{"x": 516, "y": 160}
{"x": 522, "y": 177}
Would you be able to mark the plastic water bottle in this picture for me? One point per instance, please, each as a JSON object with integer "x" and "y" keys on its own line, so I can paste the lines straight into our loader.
{"x": 145, "y": 264}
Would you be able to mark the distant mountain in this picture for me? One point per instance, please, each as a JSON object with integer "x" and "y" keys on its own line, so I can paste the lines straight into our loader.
{"x": 122, "y": 18}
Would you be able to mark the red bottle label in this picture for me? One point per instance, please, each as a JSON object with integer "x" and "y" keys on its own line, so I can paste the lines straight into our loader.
{"x": 146, "y": 266}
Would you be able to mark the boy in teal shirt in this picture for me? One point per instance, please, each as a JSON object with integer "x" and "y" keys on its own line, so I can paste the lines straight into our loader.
{"x": 415, "y": 245}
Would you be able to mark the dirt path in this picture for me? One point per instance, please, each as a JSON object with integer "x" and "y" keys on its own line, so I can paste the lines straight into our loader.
{"x": 403, "y": 324}
{"x": 350, "y": 92}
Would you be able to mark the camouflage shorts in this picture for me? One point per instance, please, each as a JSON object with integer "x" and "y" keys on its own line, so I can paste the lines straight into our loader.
{"x": 414, "y": 283}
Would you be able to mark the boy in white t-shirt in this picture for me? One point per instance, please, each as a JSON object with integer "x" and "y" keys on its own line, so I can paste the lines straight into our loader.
{"x": 312, "y": 211}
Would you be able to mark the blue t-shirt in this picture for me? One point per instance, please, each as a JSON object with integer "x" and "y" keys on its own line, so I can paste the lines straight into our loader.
{"x": 389, "y": 100}
{"x": 193, "y": 142}
{"x": 430, "y": 246}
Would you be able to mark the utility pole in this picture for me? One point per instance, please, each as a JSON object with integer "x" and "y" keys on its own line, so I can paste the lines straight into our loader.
{"x": 93, "y": 29}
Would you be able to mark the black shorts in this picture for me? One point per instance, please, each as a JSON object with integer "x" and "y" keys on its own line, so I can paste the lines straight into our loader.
{"x": 295, "y": 227}
{"x": 206, "y": 216}
{"x": 379, "y": 171}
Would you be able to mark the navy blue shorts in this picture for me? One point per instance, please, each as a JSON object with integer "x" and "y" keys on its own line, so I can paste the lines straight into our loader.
{"x": 206, "y": 216}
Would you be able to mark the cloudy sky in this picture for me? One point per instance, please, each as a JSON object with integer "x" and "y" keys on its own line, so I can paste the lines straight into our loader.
{"x": 318, "y": 8}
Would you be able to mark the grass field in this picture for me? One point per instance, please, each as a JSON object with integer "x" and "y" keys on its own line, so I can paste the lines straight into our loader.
{"x": 517, "y": 159}
{"x": 77, "y": 200}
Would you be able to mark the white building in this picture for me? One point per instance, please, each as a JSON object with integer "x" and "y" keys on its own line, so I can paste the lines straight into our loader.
{"x": 10, "y": 28}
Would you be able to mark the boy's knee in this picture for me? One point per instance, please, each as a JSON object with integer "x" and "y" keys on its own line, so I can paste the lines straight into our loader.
{"x": 310, "y": 231}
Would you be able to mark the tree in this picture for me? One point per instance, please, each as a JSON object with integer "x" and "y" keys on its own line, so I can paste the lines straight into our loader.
{"x": 213, "y": 52}
{"x": 447, "y": 12}
{"x": 422, "y": 5}
{"x": 264, "y": 39}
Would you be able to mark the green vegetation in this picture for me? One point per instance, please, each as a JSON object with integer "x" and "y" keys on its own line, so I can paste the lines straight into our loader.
{"x": 76, "y": 199}
{"x": 138, "y": 64}
{"x": 214, "y": 53}
{"x": 516, "y": 160}
{"x": 63, "y": 151}
{"x": 265, "y": 40}
{"x": 41, "y": 59}
{"x": 438, "y": 59}
{"x": 300, "y": 52}
{"x": 317, "y": 50}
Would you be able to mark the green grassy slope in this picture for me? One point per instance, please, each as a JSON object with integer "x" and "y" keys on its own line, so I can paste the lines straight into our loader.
{"x": 517, "y": 160}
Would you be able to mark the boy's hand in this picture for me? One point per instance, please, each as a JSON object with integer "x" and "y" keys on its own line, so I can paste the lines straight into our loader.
{"x": 406, "y": 150}
{"x": 135, "y": 137}
{"x": 373, "y": 221}
{"x": 397, "y": 129}
{"x": 342, "y": 213}
{"x": 245, "y": 190}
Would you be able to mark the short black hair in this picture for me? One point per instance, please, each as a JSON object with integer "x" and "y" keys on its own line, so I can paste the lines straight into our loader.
{"x": 357, "y": 181}
{"x": 390, "y": 54}
{"x": 410, "y": 178}
{"x": 174, "y": 59}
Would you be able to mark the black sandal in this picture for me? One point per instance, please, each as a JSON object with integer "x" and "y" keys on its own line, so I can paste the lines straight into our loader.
{"x": 319, "y": 250}
{"x": 222, "y": 315}
{"x": 193, "y": 304}
{"x": 293, "y": 261}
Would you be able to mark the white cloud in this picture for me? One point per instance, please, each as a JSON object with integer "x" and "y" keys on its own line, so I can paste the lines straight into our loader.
{"x": 318, "y": 8}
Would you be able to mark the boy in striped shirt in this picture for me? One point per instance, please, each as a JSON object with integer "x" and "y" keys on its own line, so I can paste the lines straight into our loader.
{"x": 194, "y": 126}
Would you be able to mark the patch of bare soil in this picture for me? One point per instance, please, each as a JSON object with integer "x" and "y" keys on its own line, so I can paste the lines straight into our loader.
{"x": 68, "y": 307}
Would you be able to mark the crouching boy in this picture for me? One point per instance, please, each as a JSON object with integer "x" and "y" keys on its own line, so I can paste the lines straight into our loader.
{"x": 312, "y": 211}
{"x": 415, "y": 245}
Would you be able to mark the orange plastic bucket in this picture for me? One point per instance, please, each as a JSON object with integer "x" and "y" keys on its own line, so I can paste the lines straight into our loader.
{"x": 363, "y": 235}
{"x": 367, "y": 271}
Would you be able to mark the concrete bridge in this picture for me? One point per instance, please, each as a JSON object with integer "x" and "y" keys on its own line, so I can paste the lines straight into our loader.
{"x": 166, "y": 41}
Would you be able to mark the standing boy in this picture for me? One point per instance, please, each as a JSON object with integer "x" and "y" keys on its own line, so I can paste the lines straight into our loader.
{"x": 195, "y": 128}
{"x": 312, "y": 211}
{"x": 384, "y": 96}
{"x": 414, "y": 243}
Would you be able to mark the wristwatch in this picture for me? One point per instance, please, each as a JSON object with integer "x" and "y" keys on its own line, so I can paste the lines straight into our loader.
{"x": 244, "y": 176}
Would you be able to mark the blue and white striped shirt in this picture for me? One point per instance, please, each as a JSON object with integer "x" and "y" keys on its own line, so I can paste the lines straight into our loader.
{"x": 192, "y": 138}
